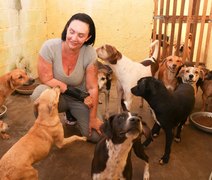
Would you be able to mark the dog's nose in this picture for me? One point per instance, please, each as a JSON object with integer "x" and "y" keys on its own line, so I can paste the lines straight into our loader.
{"x": 135, "y": 120}
{"x": 191, "y": 76}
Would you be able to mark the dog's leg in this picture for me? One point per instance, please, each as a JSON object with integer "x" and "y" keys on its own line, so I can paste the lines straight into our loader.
{"x": 139, "y": 151}
{"x": 179, "y": 129}
{"x": 146, "y": 171}
{"x": 107, "y": 97}
{"x": 69, "y": 140}
{"x": 169, "y": 139}
{"x": 119, "y": 95}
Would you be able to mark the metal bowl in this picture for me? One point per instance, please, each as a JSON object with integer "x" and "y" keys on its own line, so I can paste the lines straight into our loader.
{"x": 27, "y": 89}
{"x": 193, "y": 119}
{"x": 3, "y": 110}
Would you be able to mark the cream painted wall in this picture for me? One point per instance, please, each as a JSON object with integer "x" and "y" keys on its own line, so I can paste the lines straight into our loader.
{"x": 22, "y": 32}
{"x": 125, "y": 24}
{"x": 26, "y": 24}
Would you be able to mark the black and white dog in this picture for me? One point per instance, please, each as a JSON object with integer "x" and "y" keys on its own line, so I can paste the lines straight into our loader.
{"x": 170, "y": 109}
{"x": 112, "y": 155}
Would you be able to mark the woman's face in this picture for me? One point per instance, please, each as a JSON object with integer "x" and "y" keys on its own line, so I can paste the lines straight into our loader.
{"x": 77, "y": 34}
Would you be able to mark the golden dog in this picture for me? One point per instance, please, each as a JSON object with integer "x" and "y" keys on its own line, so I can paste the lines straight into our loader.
{"x": 10, "y": 81}
{"x": 36, "y": 144}
{"x": 3, "y": 128}
{"x": 168, "y": 70}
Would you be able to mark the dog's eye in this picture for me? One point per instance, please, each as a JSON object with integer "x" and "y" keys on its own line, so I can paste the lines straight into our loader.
{"x": 196, "y": 72}
{"x": 103, "y": 78}
{"x": 170, "y": 60}
{"x": 187, "y": 71}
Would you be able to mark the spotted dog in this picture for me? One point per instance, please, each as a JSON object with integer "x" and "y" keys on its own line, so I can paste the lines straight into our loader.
{"x": 127, "y": 71}
{"x": 112, "y": 155}
{"x": 104, "y": 84}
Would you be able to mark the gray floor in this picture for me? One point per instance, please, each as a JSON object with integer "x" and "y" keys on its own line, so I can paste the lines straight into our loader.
{"x": 190, "y": 159}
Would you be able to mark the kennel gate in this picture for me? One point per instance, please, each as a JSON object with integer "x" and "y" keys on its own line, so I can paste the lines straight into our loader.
{"x": 175, "y": 20}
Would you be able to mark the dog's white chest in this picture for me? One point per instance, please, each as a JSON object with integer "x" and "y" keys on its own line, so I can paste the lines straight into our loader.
{"x": 116, "y": 162}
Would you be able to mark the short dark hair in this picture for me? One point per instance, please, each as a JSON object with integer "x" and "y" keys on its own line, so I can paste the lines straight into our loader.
{"x": 86, "y": 19}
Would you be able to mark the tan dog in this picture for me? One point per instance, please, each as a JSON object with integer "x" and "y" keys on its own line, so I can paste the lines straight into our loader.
{"x": 104, "y": 85}
{"x": 191, "y": 75}
{"x": 3, "y": 129}
{"x": 36, "y": 144}
{"x": 206, "y": 87}
{"x": 168, "y": 70}
{"x": 10, "y": 81}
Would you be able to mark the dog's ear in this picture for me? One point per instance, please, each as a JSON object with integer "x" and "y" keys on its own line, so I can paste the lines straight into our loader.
{"x": 1, "y": 124}
{"x": 145, "y": 129}
{"x": 106, "y": 128}
{"x": 180, "y": 72}
{"x": 163, "y": 61}
{"x": 10, "y": 82}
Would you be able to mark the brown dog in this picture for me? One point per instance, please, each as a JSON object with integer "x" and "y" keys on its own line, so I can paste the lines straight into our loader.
{"x": 206, "y": 87}
{"x": 191, "y": 75}
{"x": 168, "y": 70}
{"x": 10, "y": 81}
{"x": 3, "y": 129}
{"x": 36, "y": 144}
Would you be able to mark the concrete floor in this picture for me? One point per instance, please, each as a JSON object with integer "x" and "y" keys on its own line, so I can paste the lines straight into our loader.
{"x": 190, "y": 159}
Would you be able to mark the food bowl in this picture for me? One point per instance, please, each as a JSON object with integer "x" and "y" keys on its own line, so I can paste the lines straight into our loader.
{"x": 27, "y": 89}
{"x": 3, "y": 110}
{"x": 202, "y": 120}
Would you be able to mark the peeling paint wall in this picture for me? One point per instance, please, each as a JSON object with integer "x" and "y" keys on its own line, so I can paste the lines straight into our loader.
{"x": 26, "y": 24}
{"x": 22, "y": 32}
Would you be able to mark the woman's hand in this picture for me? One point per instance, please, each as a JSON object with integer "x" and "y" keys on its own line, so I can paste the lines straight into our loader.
{"x": 89, "y": 102}
{"x": 95, "y": 124}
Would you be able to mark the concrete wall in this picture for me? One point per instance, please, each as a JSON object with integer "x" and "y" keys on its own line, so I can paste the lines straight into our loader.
{"x": 26, "y": 24}
{"x": 22, "y": 31}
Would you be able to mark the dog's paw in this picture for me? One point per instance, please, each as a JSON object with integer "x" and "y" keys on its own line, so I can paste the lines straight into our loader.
{"x": 164, "y": 160}
{"x": 5, "y": 136}
{"x": 155, "y": 135}
{"x": 177, "y": 139}
{"x": 84, "y": 138}
{"x": 146, "y": 176}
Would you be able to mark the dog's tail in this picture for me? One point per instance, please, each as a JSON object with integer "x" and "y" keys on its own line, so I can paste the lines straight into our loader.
{"x": 155, "y": 53}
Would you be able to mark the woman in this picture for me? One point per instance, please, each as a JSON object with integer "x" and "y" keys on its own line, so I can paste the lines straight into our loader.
{"x": 70, "y": 62}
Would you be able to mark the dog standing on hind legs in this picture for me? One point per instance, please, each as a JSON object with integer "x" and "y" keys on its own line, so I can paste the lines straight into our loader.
{"x": 47, "y": 130}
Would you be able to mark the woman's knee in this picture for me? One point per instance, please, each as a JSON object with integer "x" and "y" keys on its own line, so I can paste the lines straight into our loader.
{"x": 37, "y": 91}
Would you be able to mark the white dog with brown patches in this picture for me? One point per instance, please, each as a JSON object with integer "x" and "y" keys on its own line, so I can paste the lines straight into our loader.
{"x": 127, "y": 71}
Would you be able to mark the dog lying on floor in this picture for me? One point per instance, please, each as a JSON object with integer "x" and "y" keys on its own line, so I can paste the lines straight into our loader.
{"x": 112, "y": 155}
{"x": 3, "y": 129}
{"x": 128, "y": 72}
{"x": 168, "y": 70}
{"x": 104, "y": 84}
{"x": 11, "y": 81}
{"x": 170, "y": 109}
{"x": 206, "y": 87}
{"x": 47, "y": 130}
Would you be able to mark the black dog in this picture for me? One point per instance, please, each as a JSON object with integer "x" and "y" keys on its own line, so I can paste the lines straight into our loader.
{"x": 171, "y": 109}
{"x": 112, "y": 156}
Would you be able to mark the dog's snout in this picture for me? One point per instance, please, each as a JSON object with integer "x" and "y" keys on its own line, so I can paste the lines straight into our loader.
{"x": 135, "y": 120}
{"x": 191, "y": 76}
